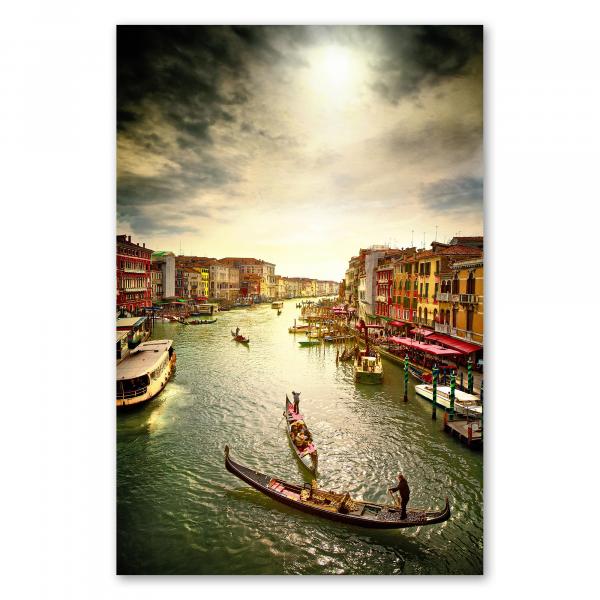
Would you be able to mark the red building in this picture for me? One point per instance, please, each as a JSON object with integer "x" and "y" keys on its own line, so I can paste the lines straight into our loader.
{"x": 385, "y": 283}
{"x": 134, "y": 286}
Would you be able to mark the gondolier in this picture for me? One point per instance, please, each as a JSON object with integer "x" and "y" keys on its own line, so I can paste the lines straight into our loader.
{"x": 296, "y": 396}
{"x": 404, "y": 492}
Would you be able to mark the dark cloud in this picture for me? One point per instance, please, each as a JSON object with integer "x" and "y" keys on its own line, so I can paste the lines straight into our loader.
{"x": 453, "y": 195}
{"x": 441, "y": 142}
{"x": 415, "y": 57}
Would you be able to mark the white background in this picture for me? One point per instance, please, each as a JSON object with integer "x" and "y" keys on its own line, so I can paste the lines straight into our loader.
{"x": 57, "y": 143}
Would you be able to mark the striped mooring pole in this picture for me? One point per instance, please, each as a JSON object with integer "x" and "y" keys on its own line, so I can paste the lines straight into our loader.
{"x": 470, "y": 375}
{"x": 452, "y": 386}
{"x": 435, "y": 371}
{"x": 481, "y": 400}
{"x": 406, "y": 378}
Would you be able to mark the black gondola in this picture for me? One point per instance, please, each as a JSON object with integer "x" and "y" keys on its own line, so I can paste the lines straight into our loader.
{"x": 335, "y": 506}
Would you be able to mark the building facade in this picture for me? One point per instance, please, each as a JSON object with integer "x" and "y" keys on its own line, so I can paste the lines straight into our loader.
{"x": 134, "y": 285}
{"x": 165, "y": 262}
{"x": 461, "y": 301}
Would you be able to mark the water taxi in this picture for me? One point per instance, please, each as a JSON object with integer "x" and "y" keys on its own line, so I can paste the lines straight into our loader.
{"x": 277, "y": 305}
{"x": 144, "y": 372}
{"x": 464, "y": 403}
{"x": 368, "y": 369}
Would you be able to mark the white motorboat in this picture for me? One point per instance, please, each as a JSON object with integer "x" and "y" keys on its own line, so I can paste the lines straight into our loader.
{"x": 144, "y": 372}
{"x": 464, "y": 403}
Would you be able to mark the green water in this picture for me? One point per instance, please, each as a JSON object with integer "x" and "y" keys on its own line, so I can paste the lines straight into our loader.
{"x": 179, "y": 511}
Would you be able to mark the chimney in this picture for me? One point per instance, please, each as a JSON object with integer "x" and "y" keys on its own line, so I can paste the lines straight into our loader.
{"x": 144, "y": 245}
{"x": 129, "y": 238}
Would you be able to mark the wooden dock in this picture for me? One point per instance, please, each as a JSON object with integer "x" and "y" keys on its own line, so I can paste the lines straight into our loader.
{"x": 468, "y": 431}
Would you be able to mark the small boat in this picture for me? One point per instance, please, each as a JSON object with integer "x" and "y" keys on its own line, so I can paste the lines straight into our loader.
{"x": 206, "y": 321}
{"x": 298, "y": 328}
{"x": 240, "y": 338}
{"x": 368, "y": 369}
{"x": 144, "y": 372}
{"x": 224, "y": 308}
{"x": 367, "y": 363}
{"x": 464, "y": 403}
{"x": 277, "y": 305}
{"x": 335, "y": 506}
{"x": 310, "y": 343}
{"x": 296, "y": 426}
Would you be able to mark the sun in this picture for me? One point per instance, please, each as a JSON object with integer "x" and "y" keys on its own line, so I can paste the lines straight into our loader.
{"x": 336, "y": 73}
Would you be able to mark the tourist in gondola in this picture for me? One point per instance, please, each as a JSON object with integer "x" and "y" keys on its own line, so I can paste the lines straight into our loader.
{"x": 404, "y": 492}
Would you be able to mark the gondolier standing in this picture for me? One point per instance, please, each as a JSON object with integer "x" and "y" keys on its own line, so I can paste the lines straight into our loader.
{"x": 237, "y": 331}
{"x": 296, "y": 396}
{"x": 404, "y": 491}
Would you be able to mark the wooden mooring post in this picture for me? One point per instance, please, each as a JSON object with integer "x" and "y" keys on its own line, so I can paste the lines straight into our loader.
{"x": 470, "y": 375}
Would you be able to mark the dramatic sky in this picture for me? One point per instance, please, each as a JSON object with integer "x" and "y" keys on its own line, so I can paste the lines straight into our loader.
{"x": 298, "y": 145}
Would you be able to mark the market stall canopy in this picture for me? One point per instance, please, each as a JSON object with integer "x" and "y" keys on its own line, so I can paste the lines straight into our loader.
{"x": 421, "y": 331}
{"x": 422, "y": 347}
{"x": 460, "y": 345}
{"x": 398, "y": 324}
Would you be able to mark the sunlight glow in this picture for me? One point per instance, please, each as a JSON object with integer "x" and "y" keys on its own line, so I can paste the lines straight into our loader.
{"x": 336, "y": 73}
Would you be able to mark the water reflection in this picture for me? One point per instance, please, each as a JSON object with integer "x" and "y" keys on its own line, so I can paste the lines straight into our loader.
{"x": 180, "y": 511}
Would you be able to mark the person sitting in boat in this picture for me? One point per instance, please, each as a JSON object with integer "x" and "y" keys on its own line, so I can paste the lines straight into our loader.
{"x": 296, "y": 396}
{"x": 404, "y": 491}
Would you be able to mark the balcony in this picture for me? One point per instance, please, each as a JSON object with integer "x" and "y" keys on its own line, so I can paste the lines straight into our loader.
{"x": 454, "y": 297}
{"x": 445, "y": 328}
{"x": 134, "y": 289}
{"x": 443, "y": 297}
{"x": 468, "y": 299}
{"x": 134, "y": 269}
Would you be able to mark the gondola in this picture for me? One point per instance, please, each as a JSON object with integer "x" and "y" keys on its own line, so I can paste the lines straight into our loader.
{"x": 333, "y": 505}
{"x": 206, "y": 321}
{"x": 240, "y": 338}
{"x": 308, "y": 457}
{"x": 310, "y": 342}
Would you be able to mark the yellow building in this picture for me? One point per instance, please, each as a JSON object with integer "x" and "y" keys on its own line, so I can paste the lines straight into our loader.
{"x": 461, "y": 301}
{"x": 430, "y": 265}
{"x": 203, "y": 286}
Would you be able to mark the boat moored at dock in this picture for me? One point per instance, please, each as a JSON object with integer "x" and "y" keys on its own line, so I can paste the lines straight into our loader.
{"x": 464, "y": 403}
{"x": 144, "y": 372}
{"x": 368, "y": 368}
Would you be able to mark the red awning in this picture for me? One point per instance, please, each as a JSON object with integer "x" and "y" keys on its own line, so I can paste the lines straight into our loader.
{"x": 460, "y": 345}
{"x": 398, "y": 324}
{"x": 422, "y": 347}
{"x": 421, "y": 331}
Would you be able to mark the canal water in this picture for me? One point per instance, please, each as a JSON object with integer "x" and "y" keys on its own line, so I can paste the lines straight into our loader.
{"x": 180, "y": 512}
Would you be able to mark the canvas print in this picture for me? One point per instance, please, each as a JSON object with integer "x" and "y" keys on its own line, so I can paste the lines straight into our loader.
{"x": 299, "y": 300}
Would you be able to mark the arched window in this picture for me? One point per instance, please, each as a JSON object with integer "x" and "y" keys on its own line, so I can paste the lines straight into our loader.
{"x": 425, "y": 313}
{"x": 435, "y": 314}
{"x": 456, "y": 285}
{"x": 419, "y": 312}
{"x": 471, "y": 283}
